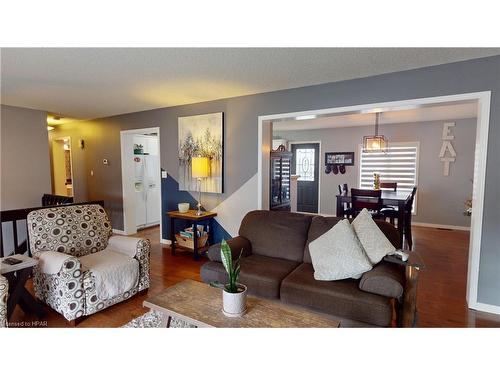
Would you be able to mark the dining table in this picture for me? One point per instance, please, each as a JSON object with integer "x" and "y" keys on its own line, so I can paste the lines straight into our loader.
{"x": 398, "y": 198}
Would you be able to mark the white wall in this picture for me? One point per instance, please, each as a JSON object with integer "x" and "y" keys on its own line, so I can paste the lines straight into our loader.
{"x": 25, "y": 158}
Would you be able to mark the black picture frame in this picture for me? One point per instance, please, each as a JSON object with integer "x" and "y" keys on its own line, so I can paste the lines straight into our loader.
{"x": 339, "y": 158}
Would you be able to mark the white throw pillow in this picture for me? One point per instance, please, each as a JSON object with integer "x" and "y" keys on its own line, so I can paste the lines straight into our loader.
{"x": 373, "y": 240}
{"x": 337, "y": 254}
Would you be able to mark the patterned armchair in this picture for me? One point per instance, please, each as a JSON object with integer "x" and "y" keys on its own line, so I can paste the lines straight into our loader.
{"x": 4, "y": 292}
{"x": 82, "y": 268}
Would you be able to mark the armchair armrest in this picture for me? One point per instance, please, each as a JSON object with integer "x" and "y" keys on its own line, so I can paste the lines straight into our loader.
{"x": 125, "y": 245}
{"x": 51, "y": 262}
{"x": 236, "y": 244}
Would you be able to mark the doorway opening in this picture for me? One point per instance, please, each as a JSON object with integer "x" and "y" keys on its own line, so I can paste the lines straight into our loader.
{"x": 267, "y": 123}
{"x": 141, "y": 179}
{"x": 62, "y": 167}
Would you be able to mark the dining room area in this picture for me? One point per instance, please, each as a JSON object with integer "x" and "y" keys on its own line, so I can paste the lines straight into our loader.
{"x": 411, "y": 167}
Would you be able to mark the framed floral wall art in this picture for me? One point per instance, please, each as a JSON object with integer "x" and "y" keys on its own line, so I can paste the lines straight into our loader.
{"x": 202, "y": 135}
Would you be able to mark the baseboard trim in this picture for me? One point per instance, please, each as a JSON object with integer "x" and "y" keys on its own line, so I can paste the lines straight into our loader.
{"x": 120, "y": 232}
{"x": 165, "y": 242}
{"x": 443, "y": 226}
{"x": 485, "y": 307}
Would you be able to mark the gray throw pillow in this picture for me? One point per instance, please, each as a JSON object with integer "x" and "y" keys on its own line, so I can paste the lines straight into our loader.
{"x": 374, "y": 242}
{"x": 337, "y": 254}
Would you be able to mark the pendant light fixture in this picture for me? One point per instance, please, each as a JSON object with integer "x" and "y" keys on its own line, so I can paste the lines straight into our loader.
{"x": 375, "y": 143}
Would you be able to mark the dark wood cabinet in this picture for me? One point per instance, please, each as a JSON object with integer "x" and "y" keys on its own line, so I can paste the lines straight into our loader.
{"x": 280, "y": 180}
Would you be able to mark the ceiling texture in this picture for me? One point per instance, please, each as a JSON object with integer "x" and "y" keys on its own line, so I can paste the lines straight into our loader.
{"x": 86, "y": 83}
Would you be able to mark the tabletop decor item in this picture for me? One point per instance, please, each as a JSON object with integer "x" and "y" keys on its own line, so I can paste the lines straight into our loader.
{"x": 183, "y": 207}
{"x": 468, "y": 207}
{"x": 234, "y": 295}
{"x": 200, "y": 169}
{"x": 376, "y": 181}
{"x": 201, "y": 136}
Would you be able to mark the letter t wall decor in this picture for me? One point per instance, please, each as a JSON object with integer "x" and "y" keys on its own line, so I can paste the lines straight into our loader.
{"x": 447, "y": 153}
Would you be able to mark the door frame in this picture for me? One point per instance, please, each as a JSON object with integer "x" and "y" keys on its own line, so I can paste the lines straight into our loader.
{"x": 68, "y": 138}
{"x": 483, "y": 99}
{"x": 290, "y": 143}
{"x": 128, "y": 194}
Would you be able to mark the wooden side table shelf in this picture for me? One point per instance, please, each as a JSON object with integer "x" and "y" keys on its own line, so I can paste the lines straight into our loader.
{"x": 192, "y": 219}
{"x": 17, "y": 275}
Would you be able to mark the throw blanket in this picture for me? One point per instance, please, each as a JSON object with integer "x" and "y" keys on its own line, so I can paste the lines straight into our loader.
{"x": 114, "y": 273}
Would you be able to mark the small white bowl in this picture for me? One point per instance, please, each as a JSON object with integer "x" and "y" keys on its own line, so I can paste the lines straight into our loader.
{"x": 183, "y": 207}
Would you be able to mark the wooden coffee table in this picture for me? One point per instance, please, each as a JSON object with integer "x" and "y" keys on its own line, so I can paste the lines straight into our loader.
{"x": 201, "y": 305}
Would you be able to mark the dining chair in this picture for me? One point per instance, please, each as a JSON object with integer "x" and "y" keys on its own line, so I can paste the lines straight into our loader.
{"x": 389, "y": 211}
{"x": 389, "y": 185}
{"x": 408, "y": 216}
{"x": 369, "y": 199}
{"x": 392, "y": 213}
{"x": 343, "y": 190}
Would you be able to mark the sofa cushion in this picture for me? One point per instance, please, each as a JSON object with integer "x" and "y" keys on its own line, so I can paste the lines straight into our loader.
{"x": 385, "y": 279}
{"x": 238, "y": 245}
{"x": 375, "y": 244}
{"x": 341, "y": 298}
{"x": 321, "y": 224}
{"x": 262, "y": 275}
{"x": 338, "y": 254}
{"x": 276, "y": 234}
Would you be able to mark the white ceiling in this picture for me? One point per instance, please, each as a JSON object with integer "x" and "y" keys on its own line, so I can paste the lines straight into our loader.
{"x": 91, "y": 82}
{"x": 432, "y": 113}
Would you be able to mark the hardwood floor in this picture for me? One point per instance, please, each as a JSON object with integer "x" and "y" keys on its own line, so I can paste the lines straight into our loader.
{"x": 441, "y": 294}
{"x": 442, "y": 287}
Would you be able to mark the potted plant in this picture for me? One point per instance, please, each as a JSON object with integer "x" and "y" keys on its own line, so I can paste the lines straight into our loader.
{"x": 234, "y": 295}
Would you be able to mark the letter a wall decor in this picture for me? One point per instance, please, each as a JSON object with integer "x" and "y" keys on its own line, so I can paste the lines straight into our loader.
{"x": 447, "y": 154}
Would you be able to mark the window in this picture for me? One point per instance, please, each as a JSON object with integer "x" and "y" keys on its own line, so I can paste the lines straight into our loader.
{"x": 304, "y": 164}
{"x": 399, "y": 164}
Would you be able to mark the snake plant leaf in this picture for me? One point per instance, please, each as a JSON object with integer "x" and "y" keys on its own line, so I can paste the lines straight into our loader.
{"x": 226, "y": 256}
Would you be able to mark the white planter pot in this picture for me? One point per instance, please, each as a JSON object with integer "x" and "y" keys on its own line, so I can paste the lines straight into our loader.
{"x": 234, "y": 304}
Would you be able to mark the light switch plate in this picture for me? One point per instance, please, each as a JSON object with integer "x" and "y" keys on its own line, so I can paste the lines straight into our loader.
{"x": 163, "y": 174}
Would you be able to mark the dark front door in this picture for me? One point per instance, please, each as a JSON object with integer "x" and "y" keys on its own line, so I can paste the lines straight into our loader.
{"x": 305, "y": 163}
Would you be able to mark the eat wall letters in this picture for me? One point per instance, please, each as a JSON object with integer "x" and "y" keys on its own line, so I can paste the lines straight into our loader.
{"x": 447, "y": 153}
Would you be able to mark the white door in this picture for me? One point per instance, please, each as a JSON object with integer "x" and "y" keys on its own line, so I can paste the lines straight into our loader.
{"x": 140, "y": 191}
{"x": 152, "y": 184}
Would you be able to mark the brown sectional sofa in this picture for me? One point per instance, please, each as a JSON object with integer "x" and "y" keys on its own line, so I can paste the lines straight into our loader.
{"x": 276, "y": 264}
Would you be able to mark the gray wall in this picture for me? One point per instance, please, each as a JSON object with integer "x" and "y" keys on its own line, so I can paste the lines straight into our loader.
{"x": 24, "y": 157}
{"x": 440, "y": 199}
{"x": 241, "y": 136}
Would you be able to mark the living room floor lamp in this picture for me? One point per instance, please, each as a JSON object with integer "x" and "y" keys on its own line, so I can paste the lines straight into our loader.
{"x": 200, "y": 169}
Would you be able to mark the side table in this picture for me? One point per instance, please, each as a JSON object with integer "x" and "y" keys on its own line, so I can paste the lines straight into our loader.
{"x": 193, "y": 219}
{"x": 412, "y": 265}
{"x": 17, "y": 275}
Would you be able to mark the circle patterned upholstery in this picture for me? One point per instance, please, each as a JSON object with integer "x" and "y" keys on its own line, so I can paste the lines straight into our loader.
{"x": 74, "y": 230}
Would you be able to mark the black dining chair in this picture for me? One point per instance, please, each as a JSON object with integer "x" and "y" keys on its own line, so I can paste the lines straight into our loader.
{"x": 343, "y": 190}
{"x": 408, "y": 216}
{"x": 389, "y": 185}
{"x": 369, "y": 199}
{"x": 392, "y": 213}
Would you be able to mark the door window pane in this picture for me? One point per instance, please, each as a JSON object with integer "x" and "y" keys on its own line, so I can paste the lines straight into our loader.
{"x": 304, "y": 164}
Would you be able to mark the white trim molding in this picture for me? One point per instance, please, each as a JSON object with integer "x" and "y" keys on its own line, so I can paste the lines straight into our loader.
{"x": 485, "y": 307}
{"x": 120, "y": 232}
{"x": 483, "y": 99}
{"x": 440, "y": 226}
{"x": 165, "y": 241}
